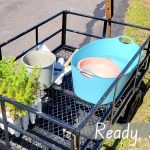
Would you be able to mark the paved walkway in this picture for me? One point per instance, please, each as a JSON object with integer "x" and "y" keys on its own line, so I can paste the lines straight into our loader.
{"x": 19, "y": 15}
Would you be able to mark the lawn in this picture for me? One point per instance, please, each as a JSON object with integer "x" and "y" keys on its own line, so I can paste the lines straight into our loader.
{"x": 138, "y": 13}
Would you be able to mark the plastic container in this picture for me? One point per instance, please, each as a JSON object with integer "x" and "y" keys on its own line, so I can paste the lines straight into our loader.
{"x": 100, "y": 66}
{"x": 92, "y": 89}
{"x": 45, "y": 60}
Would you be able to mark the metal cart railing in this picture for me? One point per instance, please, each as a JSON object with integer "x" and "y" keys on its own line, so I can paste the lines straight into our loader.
{"x": 66, "y": 118}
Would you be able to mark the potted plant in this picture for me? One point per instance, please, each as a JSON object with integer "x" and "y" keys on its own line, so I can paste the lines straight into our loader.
{"x": 20, "y": 85}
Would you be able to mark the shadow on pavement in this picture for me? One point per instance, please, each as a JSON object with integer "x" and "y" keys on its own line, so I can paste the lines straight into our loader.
{"x": 98, "y": 12}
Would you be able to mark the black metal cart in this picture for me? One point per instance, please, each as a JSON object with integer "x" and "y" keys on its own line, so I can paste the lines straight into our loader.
{"x": 65, "y": 117}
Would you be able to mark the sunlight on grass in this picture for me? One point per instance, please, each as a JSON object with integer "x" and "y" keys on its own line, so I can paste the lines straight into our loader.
{"x": 138, "y": 13}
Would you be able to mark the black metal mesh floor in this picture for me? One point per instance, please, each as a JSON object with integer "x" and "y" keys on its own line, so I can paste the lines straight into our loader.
{"x": 22, "y": 143}
{"x": 61, "y": 103}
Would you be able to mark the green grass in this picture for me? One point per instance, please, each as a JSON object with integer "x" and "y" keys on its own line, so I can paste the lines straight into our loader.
{"x": 138, "y": 13}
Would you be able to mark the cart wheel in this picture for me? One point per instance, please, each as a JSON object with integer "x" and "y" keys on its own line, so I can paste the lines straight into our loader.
{"x": 132, "y": 107}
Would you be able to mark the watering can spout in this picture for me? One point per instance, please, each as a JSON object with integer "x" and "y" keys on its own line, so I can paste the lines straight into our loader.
{"x": 42, "y": 47}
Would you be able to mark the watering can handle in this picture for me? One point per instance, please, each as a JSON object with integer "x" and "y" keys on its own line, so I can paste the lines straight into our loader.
{"x": 125, "y": 37}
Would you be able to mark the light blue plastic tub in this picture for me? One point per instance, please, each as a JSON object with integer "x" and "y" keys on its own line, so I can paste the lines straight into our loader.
{"x": 92, "y": 89}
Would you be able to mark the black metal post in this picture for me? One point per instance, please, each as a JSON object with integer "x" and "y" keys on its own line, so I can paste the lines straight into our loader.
{"x": 104, "y": 29}
{"x": 0, "y": 53}
{"x": 5, "y": 123}
{"x": 137, "y": 70}
{"x": 36, "y": 34}
{"x": 64, "y": 23}
{"x": 113, "y": 104}
{"x": 148, "y": 51}
{"x": 72, "y": 141}
{"x": 109, "y": 29}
